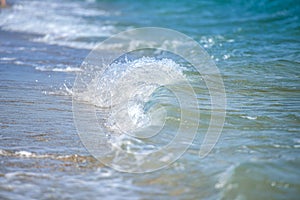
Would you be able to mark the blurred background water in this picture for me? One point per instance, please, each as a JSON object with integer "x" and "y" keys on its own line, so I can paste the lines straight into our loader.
{"x": 255, "y": 45}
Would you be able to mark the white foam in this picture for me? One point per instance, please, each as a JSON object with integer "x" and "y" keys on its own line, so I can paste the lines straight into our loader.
{"x": 7, "y": 59}
{"x": 249, "y": 117}
{"x": 58, "y": 22}
{"x": 24, "y": 154}
{"x": 19, "y": 62}
{"x": 59, "y": 69}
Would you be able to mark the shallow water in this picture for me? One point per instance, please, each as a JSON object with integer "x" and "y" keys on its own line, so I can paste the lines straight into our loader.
{"x": 256, "y": 48}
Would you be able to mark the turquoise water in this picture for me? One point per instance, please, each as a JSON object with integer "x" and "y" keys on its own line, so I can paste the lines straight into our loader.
{"x": 255, "y": 45}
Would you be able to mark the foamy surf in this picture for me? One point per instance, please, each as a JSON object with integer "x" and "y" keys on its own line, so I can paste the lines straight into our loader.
{"x": 67, "y": 24}
{"x": 137, "y": 103}
{"x": 124, "y": 89}
{"x": 58, "y": 69}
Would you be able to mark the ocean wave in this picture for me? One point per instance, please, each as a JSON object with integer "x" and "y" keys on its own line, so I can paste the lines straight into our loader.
{"x": 125, "y": 88}
{"x": 62, "y": 23}
{"x": 138, "y": 105}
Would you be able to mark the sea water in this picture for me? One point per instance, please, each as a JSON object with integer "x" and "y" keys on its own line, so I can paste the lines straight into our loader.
{"x": 255, "y": 45}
